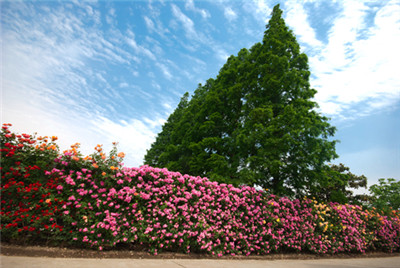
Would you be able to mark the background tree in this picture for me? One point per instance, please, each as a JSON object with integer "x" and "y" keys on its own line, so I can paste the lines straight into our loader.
{"x": 386, "y": 194}
{"x": 337, "y": 183}
{"x": 255, "y": 123}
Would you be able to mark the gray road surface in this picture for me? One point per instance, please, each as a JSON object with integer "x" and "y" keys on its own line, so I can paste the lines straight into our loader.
{"x": 39, "y": 262}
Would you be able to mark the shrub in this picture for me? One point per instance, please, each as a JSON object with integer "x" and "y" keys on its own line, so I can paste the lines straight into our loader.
{"x": 95, "y": 202}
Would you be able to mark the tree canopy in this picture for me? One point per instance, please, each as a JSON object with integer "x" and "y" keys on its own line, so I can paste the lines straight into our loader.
{"x": 336, "y": 183}
{"x": 255, "y": 124}
{"x": 386, "y": 194}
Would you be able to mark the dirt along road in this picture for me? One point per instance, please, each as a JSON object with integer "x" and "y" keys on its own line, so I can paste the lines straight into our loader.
{"x": 45, "y": 262}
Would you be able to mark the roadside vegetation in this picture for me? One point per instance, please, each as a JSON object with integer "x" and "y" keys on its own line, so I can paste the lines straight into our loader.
{"x": 50, "y": 197}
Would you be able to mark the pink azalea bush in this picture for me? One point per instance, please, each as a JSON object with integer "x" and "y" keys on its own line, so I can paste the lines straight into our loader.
{"x": 102, "y": 204}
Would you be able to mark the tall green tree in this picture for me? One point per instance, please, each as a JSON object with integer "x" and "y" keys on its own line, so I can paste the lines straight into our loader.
{"x": 284, "y": 139}
{"x": 159, "y": 153}
{"x": 256, "y": 123}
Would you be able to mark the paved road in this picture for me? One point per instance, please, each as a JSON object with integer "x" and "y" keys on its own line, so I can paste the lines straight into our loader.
{"x": 36, "y": 262}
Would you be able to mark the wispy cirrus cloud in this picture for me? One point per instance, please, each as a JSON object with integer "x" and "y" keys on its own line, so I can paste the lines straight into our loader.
{"x": 355, "y": 70}
{"x": 358, "y": 65}
{"x": 260, "y": 9}
{"x": 187, "y": 23}
{"x": 189, "y": 5}
{"x": 150, "y": 24}
{"x": 165, "y": 70}
{"x": 57, "y": 75}
{"x": 130, "y": 40}
{"x": 110, "y": 17}
{"x": 297, "y": 17}
{"x": 155, "y": 25}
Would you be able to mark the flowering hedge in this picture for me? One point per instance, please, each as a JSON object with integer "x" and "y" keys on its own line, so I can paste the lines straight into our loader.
{"x": 95, "y": 202}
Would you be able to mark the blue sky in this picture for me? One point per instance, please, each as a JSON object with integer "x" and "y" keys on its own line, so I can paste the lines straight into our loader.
{"x": 103, "y": 71}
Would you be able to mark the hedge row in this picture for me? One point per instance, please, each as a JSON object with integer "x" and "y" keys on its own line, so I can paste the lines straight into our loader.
{"x": 95, "y": 202}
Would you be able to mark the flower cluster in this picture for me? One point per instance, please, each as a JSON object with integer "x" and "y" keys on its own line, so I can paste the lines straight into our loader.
{"x": 168, "y": 211}
{"x": 28, "y": 206}
{"x": 94, "y": 201}
{"x": 29, "y": 201}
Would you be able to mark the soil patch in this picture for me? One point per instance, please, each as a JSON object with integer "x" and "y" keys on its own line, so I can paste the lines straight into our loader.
{"x": 62, "y": 252}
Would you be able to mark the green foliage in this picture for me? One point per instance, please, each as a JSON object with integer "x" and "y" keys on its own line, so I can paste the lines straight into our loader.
{"x": 255, "y": 124}
{"x": 336, "y": 183}
{"x": 158, "y": 154}
{"x": 386, "y": 194}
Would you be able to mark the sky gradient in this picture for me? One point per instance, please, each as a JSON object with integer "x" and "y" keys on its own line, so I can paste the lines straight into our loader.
{"x": 95, "y": 72}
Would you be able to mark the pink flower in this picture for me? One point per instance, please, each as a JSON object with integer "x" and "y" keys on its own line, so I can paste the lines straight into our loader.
{"x": 69, "y": 180}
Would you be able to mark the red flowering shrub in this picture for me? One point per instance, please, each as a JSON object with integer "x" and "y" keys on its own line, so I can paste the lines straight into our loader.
{"x": 29, "y": 209}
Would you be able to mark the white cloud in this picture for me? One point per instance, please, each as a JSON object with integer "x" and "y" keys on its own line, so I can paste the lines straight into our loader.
{"x": 154, "y": 123}
{"x": 155, "y": 85}
{"x": 189, "y": 5}
{"x": 134, "y": 137}
{"x": 344, "y": 33}
{"x": 297, "y": 19}
{"x": 259, "y": 9}
{"x": 355, "y": 73}
{"x": 154, "y": 25}
{"x": 230, "y": 14}
{"x": 110, "y": 17}
{"x": 123, "y": 85}
{"x": 130, "y": 40}
{"x": 164, "y": 69}
{"x": 186, "y": 22}
{"x": 221, "y": 54}
{"x": 150, "y": 24}
{"x": 167, "y": 106}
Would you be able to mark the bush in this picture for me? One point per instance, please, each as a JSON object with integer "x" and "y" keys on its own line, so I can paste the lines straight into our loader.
{"x": 95, "y": 202}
